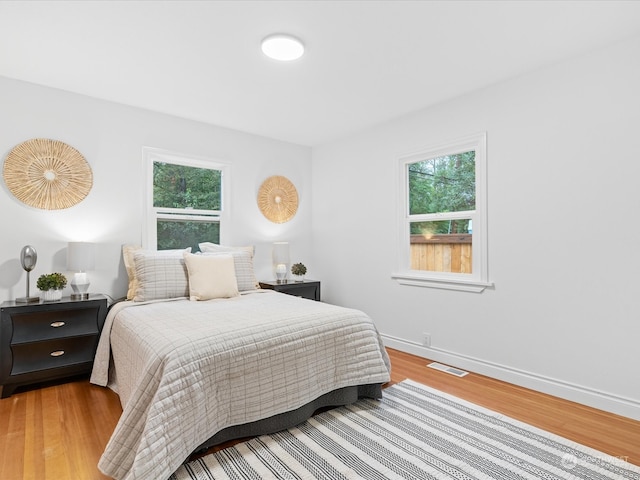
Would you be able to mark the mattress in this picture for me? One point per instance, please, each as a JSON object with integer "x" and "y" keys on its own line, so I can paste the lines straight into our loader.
{"x": 186, "y": 370}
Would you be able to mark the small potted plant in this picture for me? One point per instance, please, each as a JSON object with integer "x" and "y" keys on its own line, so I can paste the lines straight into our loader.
{"x": 51, "y": 285}
{"x": 298, "y": 270}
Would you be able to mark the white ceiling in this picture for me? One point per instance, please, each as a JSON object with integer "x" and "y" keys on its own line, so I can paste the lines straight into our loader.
{"x": 366, "y": 61}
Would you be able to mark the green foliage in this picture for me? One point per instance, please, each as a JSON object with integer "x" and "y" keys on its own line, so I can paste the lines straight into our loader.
{"x": 440, "y": 227}
{"x": 442, "y": 185}
{"x": 173, "y": 234}
{"x": 51, "y": 281}
{"x": 180, "y": 186}
{"x": 298, "y": 269}
{"x": 189, "y": 188}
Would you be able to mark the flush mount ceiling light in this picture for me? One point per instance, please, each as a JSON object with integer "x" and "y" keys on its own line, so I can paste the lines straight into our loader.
{"x": 282, "y": 47}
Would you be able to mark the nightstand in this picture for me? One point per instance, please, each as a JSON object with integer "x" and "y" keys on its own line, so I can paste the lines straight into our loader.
{"x": 48, "y": 340}
{"x": 307, "y": 288}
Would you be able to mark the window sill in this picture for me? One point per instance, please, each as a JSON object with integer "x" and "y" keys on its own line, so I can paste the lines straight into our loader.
{"x": 416, "y": 280}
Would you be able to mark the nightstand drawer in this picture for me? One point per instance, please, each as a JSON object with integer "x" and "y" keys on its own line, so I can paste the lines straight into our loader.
{"x": 31, "y": 357}
{"x": 304, "y": 292}
{"x": 306, "y": 288}
{"x": 33, "y": 327}
{"x": 48, "y": 340}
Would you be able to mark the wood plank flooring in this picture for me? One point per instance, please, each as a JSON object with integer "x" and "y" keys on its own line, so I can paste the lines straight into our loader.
{"x": 59, "y": 431}
{"x": 611, "y": 434}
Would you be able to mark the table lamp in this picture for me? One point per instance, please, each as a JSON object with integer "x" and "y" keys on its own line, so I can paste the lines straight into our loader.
{"x": 80, "y": 258}
{"x": 281, "y": 260}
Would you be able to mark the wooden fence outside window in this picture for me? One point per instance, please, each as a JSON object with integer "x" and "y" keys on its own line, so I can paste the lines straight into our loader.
{"x": 442, "y": 253}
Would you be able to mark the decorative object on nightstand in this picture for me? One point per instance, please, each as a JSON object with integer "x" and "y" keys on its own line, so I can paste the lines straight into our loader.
{"x": 28, "y": 259}
{"x": 278, "y": 199}
{"x": 47, "y": 174}
{"x": 47, "y": 341}
{"x": 51, "y": 285}
{"x": 298, "y": 270}
{"x": 306, "y": 288}
{"x": 280, "y": 258}
{"x": 80, "y": 258}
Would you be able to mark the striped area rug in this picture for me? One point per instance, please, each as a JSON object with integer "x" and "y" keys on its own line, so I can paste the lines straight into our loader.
{"x": 414, "y": 432}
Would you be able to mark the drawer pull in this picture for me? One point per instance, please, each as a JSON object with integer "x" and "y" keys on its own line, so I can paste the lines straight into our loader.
{"x": 57, "y": 324}
{"x": 57, "y": 353}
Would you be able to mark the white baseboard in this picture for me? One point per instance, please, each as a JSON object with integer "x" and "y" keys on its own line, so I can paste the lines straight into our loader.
{"x": 619, "y": 405}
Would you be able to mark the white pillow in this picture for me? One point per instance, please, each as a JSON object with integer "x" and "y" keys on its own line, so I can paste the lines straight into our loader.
{"x": 243, "y": 264}
{"x": 208, "y": 247}
{"x": 211, "y": 276}
{"x": 160, "y": 274}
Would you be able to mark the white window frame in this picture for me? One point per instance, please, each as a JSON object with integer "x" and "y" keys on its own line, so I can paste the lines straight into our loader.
{"x": 153, "y": 214}
{"x": 476, "y": 281}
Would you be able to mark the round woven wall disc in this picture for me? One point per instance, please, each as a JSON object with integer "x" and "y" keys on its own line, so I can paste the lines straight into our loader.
{"x": 278, "y": 199}
{"x": 47, "y": 174}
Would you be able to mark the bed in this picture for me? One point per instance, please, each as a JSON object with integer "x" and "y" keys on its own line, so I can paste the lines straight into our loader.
{"x": 191, "y": 374}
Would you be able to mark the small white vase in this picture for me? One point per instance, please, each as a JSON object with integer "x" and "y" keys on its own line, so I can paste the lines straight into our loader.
{"x": 52, "y": 295}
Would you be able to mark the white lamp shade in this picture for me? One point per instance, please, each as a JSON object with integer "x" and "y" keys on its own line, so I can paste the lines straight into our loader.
{"x": 80, "y": 256}
{"x": 281, "y": 253}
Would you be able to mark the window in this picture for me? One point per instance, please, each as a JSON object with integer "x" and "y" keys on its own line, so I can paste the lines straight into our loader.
{"x": 443, "y": 228}
{"x": 185, "y": 200}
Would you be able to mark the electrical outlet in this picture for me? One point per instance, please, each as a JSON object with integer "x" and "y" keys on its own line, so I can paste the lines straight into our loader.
{"x": 426, "y": 339}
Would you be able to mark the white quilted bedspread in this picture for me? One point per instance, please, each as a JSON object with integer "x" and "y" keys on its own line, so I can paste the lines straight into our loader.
{"x": 185, "y": 370}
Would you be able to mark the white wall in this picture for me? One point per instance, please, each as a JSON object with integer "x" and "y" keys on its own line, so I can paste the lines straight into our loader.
{"x": 563, "y": 227}
{"x": 111, "y": 137}
{"x": 564, "y": 231}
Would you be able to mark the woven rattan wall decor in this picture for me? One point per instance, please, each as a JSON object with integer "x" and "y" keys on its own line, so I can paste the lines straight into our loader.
{"x": 47, "y": 174}
{"x": 278, "y": 199}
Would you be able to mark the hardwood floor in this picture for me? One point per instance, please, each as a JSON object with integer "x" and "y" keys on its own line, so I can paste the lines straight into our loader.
{"x": 611, "y": 434}
{"x": 56, "y": 432}
{"x": 59, "y": 431}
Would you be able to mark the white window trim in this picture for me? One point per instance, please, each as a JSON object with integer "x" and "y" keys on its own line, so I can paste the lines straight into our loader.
{"x": 149, "y": 231}
{"x": 476, "y": 281}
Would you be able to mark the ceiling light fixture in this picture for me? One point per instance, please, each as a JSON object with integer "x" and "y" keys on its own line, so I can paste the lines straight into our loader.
{"x": 282, "y": 47}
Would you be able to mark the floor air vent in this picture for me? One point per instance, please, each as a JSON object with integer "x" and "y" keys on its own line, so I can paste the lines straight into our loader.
{"x": 447, "y": 369}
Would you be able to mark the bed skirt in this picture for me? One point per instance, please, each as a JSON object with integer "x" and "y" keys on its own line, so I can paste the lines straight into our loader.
{"x": 282, "y": 421}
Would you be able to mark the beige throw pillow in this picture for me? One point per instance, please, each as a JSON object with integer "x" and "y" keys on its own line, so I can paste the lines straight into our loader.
{"x": 211, "y": 276}
{"x": 128, "y": 251}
